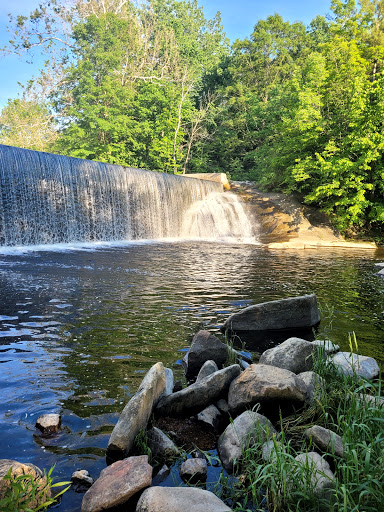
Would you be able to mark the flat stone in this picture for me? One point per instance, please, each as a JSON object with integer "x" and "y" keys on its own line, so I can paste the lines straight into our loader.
{"x": 245, "y": 431}
{"x": 194, "y": 470}
{"x": 356, "y": 365}
{"x": 314, "y": 384}
{"x": 267, "y": 385}
{"x": 211, "y": 417}
{"x": 205, "y": 347}
{"x": 136, "y": 413}
{"x": 48, "y": 423}
{"x": 326, "y": 440}
{"x": 327, "y": 345}
{"x": 189, "y": 401}
{"x": 18, "y": 469}
{"x": 294, "y": 354}
{"x": 179, "y": 499}
{"x": 208, "y": 368}
{"x": 295, "y": 312}
{"x": 161, "y": 445}
{"x": 81, "y": 480}
{"x": 117, "y": 484}
{"x": 322, "y": 478}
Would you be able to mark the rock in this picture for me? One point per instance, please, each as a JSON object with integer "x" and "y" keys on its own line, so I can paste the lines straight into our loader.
{"x": 178, "y": 386}
{"x": 160, "y": 444}
{"x": 296, "y": 312}
{"x": 246, "y": 430}
{"x": 191, "y": 400}
{"x": 205, "y": 347}
{"x": 81, "y": 480}
{"x": 136, "y": 413}
{"x": 322, "y": 478}
{"x": 267, "y": 385}
{"x": 169, "y": 382}
{"x": 326, "y": 440}
{"x": 211, "y": 417}
{"x": 223, "y": 406}
{"x": 355, "y": 365}
{"x": 375, "y": 401}
{"x": 48, "y": 423}
{"x": 314, "y": 384}
{"x": 162, "y": 474}
{"x": 117, "y": 484}
{"x": 43, "y": 492}
{"x": 294, "y": 354}
{"x": 268, "y": 450}
{"x": 208, "y": 368}
{"x": 194, "y": 470}
{"x": 327, "y": 345}
{"x": 179, "y": 499}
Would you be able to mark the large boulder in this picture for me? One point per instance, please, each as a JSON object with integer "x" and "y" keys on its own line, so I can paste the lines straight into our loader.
{"x": 246, "y": 430}
{"x": 267, "y": 385}
{"x": 194, "y": 398}
{"x": 355, "y": 365}
{"x": 136, "y": 413}
{"x": 205, "y": 347}
{"x": 117, "y": 484}
{"x": 294, "y": 354}
{"x": 43, "y": 491}
{"x": 297, "y": 312}
{"x": 179, "y": 499}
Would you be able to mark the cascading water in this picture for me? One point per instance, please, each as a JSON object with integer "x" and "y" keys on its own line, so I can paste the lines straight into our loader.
{"x": 48, "y": 199}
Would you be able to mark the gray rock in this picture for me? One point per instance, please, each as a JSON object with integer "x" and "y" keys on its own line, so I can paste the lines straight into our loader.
{"x": 169, "y": 382}
{"x": 205, "y": 347}
{"x": 117, "y": 484}
{"x": 375, "y": 401}
{"x": 314, "y": 384}
{"x": 81, "y": 480}
{"x": 294, "y": 354}
{"x": 327, "y": 345}
{"x": 160, "y": 444}
{"x": 296, "y": 312}
{"x": 179, "y": 499}
{"x": 19, "y": 469}
{"x": 245, "y": 431}
{"x": 268, "y": 450}
{"x": 161, "y": 475}
{"x": 194, "y": 470}
{"x": 208, "y": 368}
{"x": 322, "y": 478}
{"x": 191, "y": 400}
{"x": 355, "y": 365}
{"x": 223, "y": 406}
{"x": 211, "y": 417}
{"x": 49, "y": 423}
{"x": 325, "y": 440}
{"x": 136, "y": 413}
{"x": 264, "y": 384}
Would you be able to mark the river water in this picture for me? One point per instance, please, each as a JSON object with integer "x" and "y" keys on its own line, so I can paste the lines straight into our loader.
{"x": 79, "y": 328}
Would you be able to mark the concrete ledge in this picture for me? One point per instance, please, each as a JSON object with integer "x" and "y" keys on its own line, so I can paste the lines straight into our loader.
{"x": 219, "y": 177}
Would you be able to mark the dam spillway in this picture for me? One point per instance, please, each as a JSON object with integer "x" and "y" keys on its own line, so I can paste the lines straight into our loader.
{"x": 48, "y": 199}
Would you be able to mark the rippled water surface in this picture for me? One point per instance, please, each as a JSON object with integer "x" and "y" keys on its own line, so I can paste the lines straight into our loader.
{"x": 78, "y": 329}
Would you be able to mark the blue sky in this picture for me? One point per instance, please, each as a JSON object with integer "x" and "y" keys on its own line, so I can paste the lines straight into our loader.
{"x": 238, "y": 17}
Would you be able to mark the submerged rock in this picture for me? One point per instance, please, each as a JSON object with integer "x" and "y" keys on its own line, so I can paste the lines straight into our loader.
{"x": 136, "y": 413}
{"x": 294, "y": 354}
{"x": 246, "y": 430}
{"x": 179, "y": 499}
{"x": 205, "y": 347}
{"x": 194, "y": 470}
{"x": 48, "y": 423}
{"x": 355, "y": 365}
{"x": 295, "y": 312}
{"x": 326, "y": 440}
{"x": 19, "y": 469}
{"x": 191, "y": 400}
{"x": 117, "y": 484}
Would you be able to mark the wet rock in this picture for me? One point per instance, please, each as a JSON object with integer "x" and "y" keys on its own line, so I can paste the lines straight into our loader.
{"x": 117, "y": 484}
{"x": 208, "y": 368}
{"x": 267, "y": 385}
{"x": 314, "y": 384}
{"x": 355, "y": 365}
{"x": 322, "y": 478}
{"x": 48, "y": 423}
{"x": 160, "y": 444}
{"x": 18, "y": 469}
{"x": 162, "y": 474}
{"x": 245, "y": 431}
{"x": 326, "y": 345}
{"x": 81, "y": 480}
{"x": 179, "y": 499}
{"x": 191, "y": 400}
{"x": 326, "y": 440}
{"x": 211, "y": 417}
{"x": 294, "y": 354}
{"x": 296, "y": 312}
{"x": 193, "y": 470}
{"x": 136, "y": 413}
{"x": 205, "y": 347}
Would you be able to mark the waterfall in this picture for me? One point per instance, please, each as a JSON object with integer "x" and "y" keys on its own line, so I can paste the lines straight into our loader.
{"x": 48, "y": 199}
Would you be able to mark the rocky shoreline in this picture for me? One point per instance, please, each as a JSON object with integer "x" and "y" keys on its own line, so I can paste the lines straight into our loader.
{"x": 239, "y": 402}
